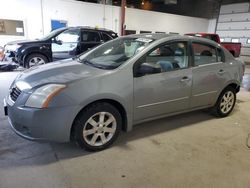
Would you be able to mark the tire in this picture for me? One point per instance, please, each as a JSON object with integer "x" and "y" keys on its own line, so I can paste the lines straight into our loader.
{"x": 228, "y": 98}
{"x": 35, "y": 60}
{"x": 98, "y": 136}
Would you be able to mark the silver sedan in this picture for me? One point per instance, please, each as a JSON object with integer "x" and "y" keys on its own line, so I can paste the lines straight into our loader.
{"x": 126, "y": 81}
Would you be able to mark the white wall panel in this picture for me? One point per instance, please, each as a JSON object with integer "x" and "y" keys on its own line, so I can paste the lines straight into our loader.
{"x": 237, "y": 34}
{"x": 211, "y": 25}
{"x": 232, "y": 8}
{"x": 234, "y": 25}
{"x": 155, "y": 21}
{"x": 234, "y": 22}
{"x": 25, "y": 10}
{"x": 90, "y": 14}
{"x": 234, "y": 17}
{"x": 81, "y": 14}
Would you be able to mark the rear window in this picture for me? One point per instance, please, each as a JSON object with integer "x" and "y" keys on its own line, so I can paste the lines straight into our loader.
{"x": 90, "y": 36}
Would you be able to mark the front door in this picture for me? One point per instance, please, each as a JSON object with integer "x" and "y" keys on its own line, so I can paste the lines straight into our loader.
{"x": 167, "y": 91}
{"x": 208, "y": 74}
{"x": 66, "y": 44}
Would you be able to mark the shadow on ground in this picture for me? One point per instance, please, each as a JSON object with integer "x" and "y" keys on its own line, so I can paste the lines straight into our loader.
{"x": 16, "y": 151}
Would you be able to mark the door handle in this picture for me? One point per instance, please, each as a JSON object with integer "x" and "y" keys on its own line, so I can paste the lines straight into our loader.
{"x": 185, "y": 79}
{"x": 221, "y": 71}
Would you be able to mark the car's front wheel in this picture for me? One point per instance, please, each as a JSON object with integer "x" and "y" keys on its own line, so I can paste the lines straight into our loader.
{"x": 35, "y": 60}
{"x": 98, "y": 126}
{"x": 225, "y": 102}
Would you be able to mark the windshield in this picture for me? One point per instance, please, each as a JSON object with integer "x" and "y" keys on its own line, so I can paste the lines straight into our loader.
{"x": 51, "y": 34}
{"x": 115, "y": 53}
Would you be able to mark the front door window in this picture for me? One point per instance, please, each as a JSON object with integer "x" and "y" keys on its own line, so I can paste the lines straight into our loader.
{"x": 65, "y": 44}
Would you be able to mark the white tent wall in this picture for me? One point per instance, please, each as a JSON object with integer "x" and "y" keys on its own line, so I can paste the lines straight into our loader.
{"x": 37, "y": 16}
{"x": 161, "y": 22}
{"x": 234, "y": 23}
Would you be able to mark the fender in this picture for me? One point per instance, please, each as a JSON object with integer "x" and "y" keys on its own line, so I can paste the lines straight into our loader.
{"x": 40, "y": 48}
{"x": 227, "y": 84}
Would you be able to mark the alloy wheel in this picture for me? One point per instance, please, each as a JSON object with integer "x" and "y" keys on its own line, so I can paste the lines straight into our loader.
{"x": 99, "y": 129}
{"x": 35, "y": 61}
{"x": 227, "y": 102}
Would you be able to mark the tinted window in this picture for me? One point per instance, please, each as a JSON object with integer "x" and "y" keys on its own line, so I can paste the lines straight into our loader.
{"x": 130, "y": 32}
{"x": 106, "y": 37}
{"x": 71, "y": 35}
{"x": 169, "y": 57}
{"x": 204, "y": 54}
{"x": 145, "y": 32}
{"x": 211, "y": 37}
{"x": 90, "y": 36}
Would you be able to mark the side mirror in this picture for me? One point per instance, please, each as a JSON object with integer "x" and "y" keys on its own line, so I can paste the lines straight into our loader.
{"x": 148, "y": 68}
{"x": 59, "y": 42}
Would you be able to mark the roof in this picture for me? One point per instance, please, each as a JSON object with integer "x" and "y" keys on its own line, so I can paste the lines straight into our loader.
{"x": 155, "y": 36}
{"x": 158, "y": 36}
{"x": 91, "y": 28}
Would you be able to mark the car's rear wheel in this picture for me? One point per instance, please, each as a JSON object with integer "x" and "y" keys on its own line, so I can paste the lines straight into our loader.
{"x": 98, "y": 126}
{"x": 225, "y": 102}
{"x": 35, "y": 60}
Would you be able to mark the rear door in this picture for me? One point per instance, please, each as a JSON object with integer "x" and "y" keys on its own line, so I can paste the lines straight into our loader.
{"x": 209, "y": 74}
{"x": 89, "y": 39}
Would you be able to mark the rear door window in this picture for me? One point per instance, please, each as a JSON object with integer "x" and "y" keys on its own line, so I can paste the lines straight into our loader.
{"x": 204, "y": 54}
{"x": 90, "y": 36}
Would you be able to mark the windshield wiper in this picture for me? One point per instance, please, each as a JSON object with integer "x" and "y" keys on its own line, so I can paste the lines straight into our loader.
{"x": 86, "y": 62}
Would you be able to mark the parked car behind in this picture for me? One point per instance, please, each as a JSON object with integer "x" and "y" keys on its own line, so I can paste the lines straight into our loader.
{"x": 62, "y": 43}
{"x": 233, "y": 47}
{"x": 123, "y": 82}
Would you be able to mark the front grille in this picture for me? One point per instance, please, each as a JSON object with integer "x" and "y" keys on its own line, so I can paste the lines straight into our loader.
{"x": 14, "y": 93}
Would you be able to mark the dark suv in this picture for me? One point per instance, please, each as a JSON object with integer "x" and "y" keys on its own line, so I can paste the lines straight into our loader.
{"x": 62, "y": 43}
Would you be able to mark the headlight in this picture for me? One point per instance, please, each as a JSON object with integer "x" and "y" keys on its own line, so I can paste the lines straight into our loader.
{"x": 43, "y": 95}
{"x": 12, "y": 47}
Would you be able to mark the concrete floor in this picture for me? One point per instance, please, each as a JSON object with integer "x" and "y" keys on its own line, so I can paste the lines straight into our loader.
{"x": 189, "y": 150}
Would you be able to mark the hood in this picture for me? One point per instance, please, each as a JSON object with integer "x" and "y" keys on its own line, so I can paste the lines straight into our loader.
{"x": 22, "y": 42}
{"x": 63, "y": 72}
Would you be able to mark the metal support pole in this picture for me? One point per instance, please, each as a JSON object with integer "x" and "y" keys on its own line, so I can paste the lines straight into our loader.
{"x": 123, "y": 9}
{"x": 104, "y": 13}
{"x": 42, "y": 16}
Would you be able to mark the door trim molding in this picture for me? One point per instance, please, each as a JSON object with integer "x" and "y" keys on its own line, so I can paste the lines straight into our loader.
{"x": 205, "y": 93}
{"x": 163, "y": 102}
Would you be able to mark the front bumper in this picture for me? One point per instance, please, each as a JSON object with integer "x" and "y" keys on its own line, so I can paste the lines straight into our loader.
{"x": 10, "y": 56}
{"x": 51, "y": 124}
